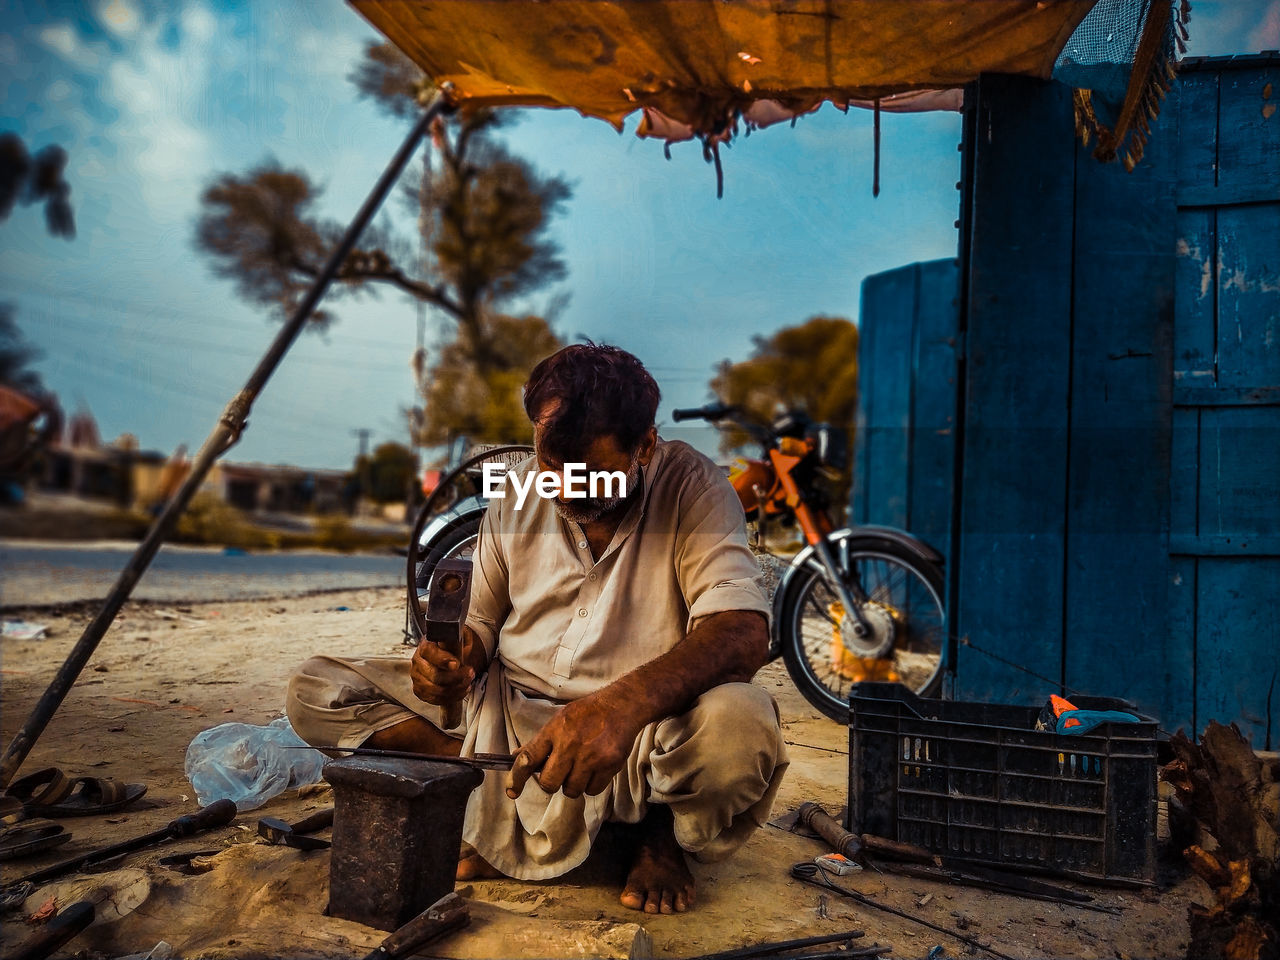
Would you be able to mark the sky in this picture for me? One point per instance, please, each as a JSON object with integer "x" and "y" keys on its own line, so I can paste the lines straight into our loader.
{"x": 154, "y": 100}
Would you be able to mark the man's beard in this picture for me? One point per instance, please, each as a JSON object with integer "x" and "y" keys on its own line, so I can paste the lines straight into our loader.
{"x": 591, "y": 509}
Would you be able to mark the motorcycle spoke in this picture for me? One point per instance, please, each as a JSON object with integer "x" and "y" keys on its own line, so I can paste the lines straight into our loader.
{"x": 821, "y": 609}
{"x": 890, "y": 582}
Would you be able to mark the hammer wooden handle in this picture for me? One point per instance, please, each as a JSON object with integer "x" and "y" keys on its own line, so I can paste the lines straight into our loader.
{"x": 821, "y": 823}
{"x": 447, "y": 913}
{"x": 854, "y": 846}
{"x": 453, "y": 711}
{"x": 66, "y": 925}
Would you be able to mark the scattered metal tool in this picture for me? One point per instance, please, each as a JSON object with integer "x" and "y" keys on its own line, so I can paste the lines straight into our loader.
{"x": 217, "y": 814}
{"x": 276, "y": 831}
{"x": 782, "y": 946}
{"x": 99, "y": 898}
{"x": 1001, "y": 881}
{"x": 809, "y": 872}
{"x": 854, "y": 846}
{"x": 14, "y": 894}
{"x": 482, "y": 761}
{"x": 862, "y": 953}
{"x": 448, "y": 600}
{"x": 67, "y": 924}
{"x": 448, "y": 913}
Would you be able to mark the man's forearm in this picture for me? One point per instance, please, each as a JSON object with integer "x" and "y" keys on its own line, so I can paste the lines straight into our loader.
{"x": 723, "y": 648}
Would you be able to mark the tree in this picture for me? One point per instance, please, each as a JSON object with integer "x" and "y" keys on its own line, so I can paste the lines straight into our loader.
{"x": 26, "y": 179}
{"x": 389, "y": 471}
{"x": 811, "y": 367}
{"x": 30, "y": 179}
{"x": 482, "y": 212}
{"x": 485, "y": 405}
{"x": 16, "y": 355}
{"x": 483, "y": 216}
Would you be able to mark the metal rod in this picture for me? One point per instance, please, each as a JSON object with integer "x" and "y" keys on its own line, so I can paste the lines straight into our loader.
{"x": 802, "y": 872}
{"x": 485, "y": 761}
{"x": 217, "y": 814}
{"x": 225, "y": 433}
{"x": 875, "y": 177}
{"x": 781, "y": 946}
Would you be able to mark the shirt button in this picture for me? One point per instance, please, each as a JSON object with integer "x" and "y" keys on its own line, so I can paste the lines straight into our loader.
{"x": 582, "y": 612}
{"x": 592, "y": 577}
{"x": 582, "y": 544}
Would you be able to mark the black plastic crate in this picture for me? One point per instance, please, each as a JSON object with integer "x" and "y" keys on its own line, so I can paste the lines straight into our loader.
{"x": 977, "y": 781}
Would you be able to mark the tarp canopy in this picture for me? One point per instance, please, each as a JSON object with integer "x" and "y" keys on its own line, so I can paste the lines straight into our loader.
{"x": 699, "y": 64}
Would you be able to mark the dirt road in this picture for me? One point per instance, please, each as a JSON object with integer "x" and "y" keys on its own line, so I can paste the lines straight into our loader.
{"x": 165, "y": 672}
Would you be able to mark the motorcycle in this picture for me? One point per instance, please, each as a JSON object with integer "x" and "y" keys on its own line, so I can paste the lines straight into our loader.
{"x": 855, "y": 604}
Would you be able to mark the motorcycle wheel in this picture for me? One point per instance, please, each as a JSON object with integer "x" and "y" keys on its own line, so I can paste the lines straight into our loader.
{"x": 904, "y": 595}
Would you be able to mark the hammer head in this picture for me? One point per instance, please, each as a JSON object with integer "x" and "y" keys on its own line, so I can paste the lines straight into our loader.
{"x": 447, "y": 602}
{"x": 276, "y": 831}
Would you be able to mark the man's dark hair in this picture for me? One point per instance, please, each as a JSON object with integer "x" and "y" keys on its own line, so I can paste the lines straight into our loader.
{"x": 602, "y": 391}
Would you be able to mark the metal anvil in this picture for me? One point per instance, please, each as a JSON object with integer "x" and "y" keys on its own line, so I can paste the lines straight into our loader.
{"x": 397, "y": 829}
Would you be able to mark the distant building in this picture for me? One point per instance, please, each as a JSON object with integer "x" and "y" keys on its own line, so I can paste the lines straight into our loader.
{"x": 80, "y": 465}
{"x": 272, "y": 488}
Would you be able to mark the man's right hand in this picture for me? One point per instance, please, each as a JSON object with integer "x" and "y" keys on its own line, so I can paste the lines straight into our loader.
{"x": 440, "y": 677}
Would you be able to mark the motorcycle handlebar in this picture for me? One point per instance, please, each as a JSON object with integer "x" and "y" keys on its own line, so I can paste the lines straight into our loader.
{"x": 723, "y": 411}
{"x": 712, "y": 411}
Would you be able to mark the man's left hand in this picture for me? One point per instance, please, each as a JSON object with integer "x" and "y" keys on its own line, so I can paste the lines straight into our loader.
{"x": 580, "y": 750}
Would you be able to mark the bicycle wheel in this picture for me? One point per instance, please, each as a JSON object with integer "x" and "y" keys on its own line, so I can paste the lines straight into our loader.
{"x": 458, "y": 541}
{"x": 904, "y": 610}
{"x": 452, "y": 492}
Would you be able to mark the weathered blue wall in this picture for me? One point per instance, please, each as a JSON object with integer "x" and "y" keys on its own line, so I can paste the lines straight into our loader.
{"x": 1224, "y": 539}
{"x": 1114, "y": 477}
{"x": 905, "y": 440}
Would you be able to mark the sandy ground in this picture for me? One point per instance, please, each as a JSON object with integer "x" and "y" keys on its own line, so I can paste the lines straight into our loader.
{"x": 163, "y": 673}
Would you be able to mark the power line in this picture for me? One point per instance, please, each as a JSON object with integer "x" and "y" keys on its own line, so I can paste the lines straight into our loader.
{"x": 149, "y": 336}
{"x": 152, "y": 383}
{"x": 208, "y": 322}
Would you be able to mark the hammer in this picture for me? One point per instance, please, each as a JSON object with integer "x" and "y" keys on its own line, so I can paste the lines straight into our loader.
{"x": 448, "y": 598}
{"x": 855, "y": 847}
{"x": 276, "y": 831}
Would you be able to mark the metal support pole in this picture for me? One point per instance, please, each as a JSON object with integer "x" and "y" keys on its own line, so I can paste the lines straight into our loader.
{"x": 225, "y": 434}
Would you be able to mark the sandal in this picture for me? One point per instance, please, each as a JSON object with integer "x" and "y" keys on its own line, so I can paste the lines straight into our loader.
{"x": 51, "y": 793}
{"x": 29, "y": 838}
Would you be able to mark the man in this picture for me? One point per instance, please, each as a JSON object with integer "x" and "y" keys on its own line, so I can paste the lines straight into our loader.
{"x": 610, "y": 643}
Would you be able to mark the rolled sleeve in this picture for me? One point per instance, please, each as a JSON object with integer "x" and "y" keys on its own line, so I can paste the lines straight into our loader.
{"x": 490, "y": 589}
{"x": 715, "y": 567}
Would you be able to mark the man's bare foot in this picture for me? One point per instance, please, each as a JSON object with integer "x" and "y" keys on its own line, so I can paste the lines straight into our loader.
{"x": 472, "y": 866}
{"x": 659, "y": 881}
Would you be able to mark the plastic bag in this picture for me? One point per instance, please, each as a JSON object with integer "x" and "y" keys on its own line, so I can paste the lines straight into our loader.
{"x": 246, "y": 763}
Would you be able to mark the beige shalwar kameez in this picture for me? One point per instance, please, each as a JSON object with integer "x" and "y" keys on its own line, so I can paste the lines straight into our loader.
{"x": 559, "y": 625}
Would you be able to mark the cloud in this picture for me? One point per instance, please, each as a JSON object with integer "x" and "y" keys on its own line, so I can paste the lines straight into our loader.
{"x": 62, "y": 39}
{"x": 1267, "y": 34}
{"x": 330, "y": 47}
{"x": 198, "y": 25}
{"x": 159, "y": 90}
{"x": 120, "y": 17}
{"x": 8, "y": 50}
